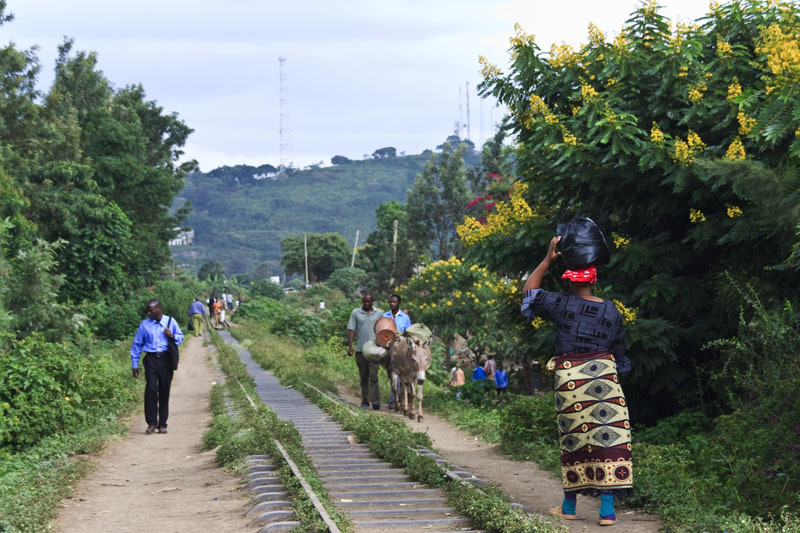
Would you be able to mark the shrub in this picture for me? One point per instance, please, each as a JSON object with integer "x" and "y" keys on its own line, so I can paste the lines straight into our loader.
{"x": 267, "y": 289}
{"x": 347, "y": 280}
{"x": 528, "y": 419}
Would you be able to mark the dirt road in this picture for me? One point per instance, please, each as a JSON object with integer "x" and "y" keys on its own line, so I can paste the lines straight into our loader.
{"x": 523, "y": 481}
{"x": 161, "y": 483}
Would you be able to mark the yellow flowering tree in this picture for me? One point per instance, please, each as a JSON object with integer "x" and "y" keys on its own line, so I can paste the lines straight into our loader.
{"x": 457, "y": 298}
{"x": 683, "y": 142}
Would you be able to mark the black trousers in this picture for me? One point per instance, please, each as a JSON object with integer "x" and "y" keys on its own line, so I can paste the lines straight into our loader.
{"x": 158, "y": 379}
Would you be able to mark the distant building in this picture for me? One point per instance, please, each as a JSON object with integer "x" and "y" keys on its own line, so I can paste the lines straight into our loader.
{"x": 183, "y": 238}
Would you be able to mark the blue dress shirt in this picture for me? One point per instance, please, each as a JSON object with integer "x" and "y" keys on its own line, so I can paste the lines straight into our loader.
{"x": 401, "y": 320}
{"x": 197, "y": 308}
{"x": 478, "y": 374}
{"x": 501, "y": 379}
{"x": 150, "y": 337}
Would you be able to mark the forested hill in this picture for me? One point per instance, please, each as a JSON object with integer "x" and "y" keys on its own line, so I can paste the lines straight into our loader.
{"x": 239, "y": 220}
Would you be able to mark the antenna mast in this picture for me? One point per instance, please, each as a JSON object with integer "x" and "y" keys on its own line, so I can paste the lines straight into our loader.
{"x": 286, "y": 135}
{"x": 460, "y": 113}
{"x": 468, "y": 132}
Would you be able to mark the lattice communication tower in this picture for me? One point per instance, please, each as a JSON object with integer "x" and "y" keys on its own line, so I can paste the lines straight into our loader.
{"x": 286, "y": 135}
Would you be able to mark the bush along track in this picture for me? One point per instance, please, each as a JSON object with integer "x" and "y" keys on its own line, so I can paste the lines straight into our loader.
{"x": 38, "y": 470}
{"x": 388, "y": 438}
{"x": 239, "y": 430}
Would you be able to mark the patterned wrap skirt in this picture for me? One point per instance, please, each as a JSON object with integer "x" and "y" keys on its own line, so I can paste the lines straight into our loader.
{"x": 593, "y": 424}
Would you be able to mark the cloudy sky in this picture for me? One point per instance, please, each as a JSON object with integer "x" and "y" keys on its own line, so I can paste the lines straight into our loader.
{"x": 360, "y": 74}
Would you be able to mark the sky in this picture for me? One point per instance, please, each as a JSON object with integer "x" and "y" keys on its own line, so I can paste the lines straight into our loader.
{"x": 359, "y": 75}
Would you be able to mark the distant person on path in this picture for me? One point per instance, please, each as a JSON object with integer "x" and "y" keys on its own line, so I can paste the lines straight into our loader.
{"x": 401, "y": 322}
{"x": 151, "y": 339}
{"x": 238, "y": 299}
{"x": 490, "y": 367}
{"x": 457, "y": 379}
{"x": 479, "y": 374}
{"x": 229, "y": 299}
{"x": 593, "y": 423}
{"x": 216, "y": 308}
{"x": 361, "y": 327}
{"x": 197, "y": 314}
{"x": 500, "y": 379}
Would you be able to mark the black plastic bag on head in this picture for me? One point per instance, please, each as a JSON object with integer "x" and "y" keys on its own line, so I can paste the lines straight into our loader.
{"x": 582, "y": 244}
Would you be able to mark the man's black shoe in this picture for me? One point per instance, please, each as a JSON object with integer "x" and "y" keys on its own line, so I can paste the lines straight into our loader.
{"x": 376, "y": 406}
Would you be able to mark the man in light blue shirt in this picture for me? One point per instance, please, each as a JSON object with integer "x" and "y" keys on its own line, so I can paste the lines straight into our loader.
{"x": 401, "y": 322}
{"x": 197, "y": 313}
{"x": 152, "y": 340}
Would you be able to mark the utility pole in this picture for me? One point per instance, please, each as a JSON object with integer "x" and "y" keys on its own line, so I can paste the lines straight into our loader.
{"x": 355, "y": 245}
{"x": 305, "y": 251}
{"x": 460, "y": 114}
{"x": 394, "y": 253}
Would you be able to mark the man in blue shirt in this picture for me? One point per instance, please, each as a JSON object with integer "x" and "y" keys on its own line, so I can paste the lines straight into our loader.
{"x": 401, "y": 322}
{"x": 151, "y": 339}
{"x": 197, "y": 313}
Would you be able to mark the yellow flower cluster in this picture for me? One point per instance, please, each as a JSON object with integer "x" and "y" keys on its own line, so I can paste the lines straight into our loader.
{"x": 620, "y": 241}
{"x": 538, "y": 107}
{"x": 649, "y": 8}
{"x": 782, "y": 51}
{"x": 621, "y": 43}
{"x": 696, "y": 144}
{"x": 596, "y": 37}
{"x": 537, "y": 322}
{"x": 611, "y": 82}
{"x": 683, "y": 71}
{"x": 588, "y": 94}
{"x": 656, "y": 135}
{"x": 563, "y": 56}
{"x": 724, "y": 50}
{"x": 696, "y": 92}
{"x": 569, "y": 138}
{"x": 628, "y": 315}
{"x": 695, "y": 216}
{"x": 686, "y": 151}
{"x": 488, "y": 70}
{"x": 735, "y": 150}
{"x": 507, "y": 215}
{"x": 733, "y": 211}
{"x": 745, "y": 123}
{"x": 520, "y": 38}
{"x": 734, "y": 90}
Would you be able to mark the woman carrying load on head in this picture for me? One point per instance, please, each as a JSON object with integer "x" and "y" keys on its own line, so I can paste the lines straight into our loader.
{"x": 593, "y": 424}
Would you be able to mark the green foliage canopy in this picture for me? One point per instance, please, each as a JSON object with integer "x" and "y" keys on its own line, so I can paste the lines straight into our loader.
{"x": 680, "y": 141}
{"x": 326, "y": 253}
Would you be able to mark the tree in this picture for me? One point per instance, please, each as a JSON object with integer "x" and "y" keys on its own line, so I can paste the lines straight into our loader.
{"x": 133, "y": 149}
{"x": 438, "y": 202}
{"x": 96, "y": 252}
{"x": 681, "y": 144}
{"x": 262, "y": 271}
{"x": 211, "y": 271}
{"x": 390, "y": 263}
{"x": 385, "y": 153}
{"x": 326, "y": 253}
{"x": 347, "y": 280}
{"x": 340, "y": 160}
{"x": 267, "y": 289}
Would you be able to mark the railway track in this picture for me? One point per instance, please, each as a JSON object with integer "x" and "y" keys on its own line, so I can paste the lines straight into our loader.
{"x": 377, "y": 496}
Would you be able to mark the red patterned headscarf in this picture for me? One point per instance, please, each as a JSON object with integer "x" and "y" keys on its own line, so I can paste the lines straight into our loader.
{"x": 584, "y": 275}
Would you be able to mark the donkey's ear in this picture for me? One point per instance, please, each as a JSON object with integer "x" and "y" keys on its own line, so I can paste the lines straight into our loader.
{"x": 428, "y": 342}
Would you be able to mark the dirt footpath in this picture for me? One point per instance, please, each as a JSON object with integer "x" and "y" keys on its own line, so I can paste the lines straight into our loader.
{"x": 523, "y": 481}
{"x": 161, "y": 482}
